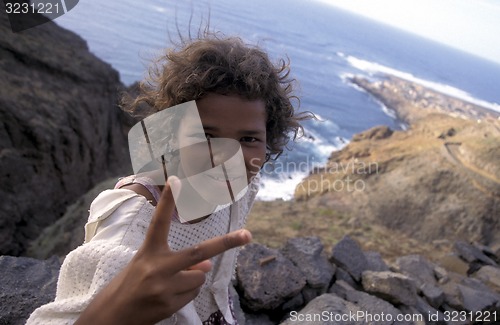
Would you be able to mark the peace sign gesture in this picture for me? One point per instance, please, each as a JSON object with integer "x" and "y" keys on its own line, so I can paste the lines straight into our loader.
{"x": 158, "y": 281}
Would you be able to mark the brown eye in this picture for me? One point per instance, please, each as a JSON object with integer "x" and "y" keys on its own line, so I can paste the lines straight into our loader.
{"x": 248, "y": 139}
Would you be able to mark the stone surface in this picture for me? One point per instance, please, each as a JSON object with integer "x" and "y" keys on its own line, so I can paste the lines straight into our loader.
{"x": 416, "y": 267}
{"x": 433, "y": 294}
{"x": 266, "y": 286}
{"x": 375, "y": 261}
{"x": 306, "y": 254}
{"x": 61, "y": 130}
{"x": 330, "y": 305}
{"x": 372, "y": 305}
{"x": 68, "y": 232}
{"x": 393, "y": 287}
{"x": 348, "y": 255}
{"x": 238, "y": 312}
{"x": 342, "y": 275}
{"x": 489, "y": 275}
{"x": 477, "y": 300}
{"x": 471, "y": 253}
{"x": 26, "y": 284}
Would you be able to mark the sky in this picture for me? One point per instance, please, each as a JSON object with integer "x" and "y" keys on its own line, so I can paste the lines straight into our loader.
{"x": 470, "y": 25}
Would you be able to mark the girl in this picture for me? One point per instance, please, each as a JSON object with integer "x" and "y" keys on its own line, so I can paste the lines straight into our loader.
{"x": 145, "y": 261}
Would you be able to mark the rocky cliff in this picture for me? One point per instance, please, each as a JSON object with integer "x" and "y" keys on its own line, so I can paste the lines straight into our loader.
{"x": 61, "y": 130}
{"x": 440, "y": 179}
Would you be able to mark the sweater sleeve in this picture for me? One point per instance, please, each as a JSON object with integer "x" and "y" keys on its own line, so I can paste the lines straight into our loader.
{"x": 116, "y": 236}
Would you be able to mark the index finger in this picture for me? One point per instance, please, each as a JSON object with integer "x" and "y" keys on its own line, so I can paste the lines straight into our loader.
{"x": 159, "y": 227}
{"x": 210, "y": 248}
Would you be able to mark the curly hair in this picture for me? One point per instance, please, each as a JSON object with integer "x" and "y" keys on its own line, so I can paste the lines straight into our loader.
{"x": 225, "y": 66}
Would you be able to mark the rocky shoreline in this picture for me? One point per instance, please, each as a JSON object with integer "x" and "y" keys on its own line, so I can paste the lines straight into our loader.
{"x": 437, "y": 180}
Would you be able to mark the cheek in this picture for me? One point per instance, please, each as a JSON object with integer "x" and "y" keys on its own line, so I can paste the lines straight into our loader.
{"x": 254, "y": 159}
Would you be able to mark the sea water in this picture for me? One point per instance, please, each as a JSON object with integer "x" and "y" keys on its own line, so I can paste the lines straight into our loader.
{"x": 324, "y": 44}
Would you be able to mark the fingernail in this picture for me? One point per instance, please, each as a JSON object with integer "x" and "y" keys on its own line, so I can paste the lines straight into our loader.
{"x": 175, "y": 186}
{"x": 246, "y": 235}
{"x": 173, "y": 181}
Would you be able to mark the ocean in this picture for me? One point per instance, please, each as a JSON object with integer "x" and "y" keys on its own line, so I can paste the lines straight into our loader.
{"x": 325, "y": 45}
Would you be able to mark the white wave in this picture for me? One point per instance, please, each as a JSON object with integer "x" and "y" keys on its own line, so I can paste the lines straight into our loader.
{"x": 374, "y": 68}
{"x": 273, "y": 189}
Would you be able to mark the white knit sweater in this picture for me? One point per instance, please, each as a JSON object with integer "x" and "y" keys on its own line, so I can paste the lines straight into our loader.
{"x": 115, "y": 230}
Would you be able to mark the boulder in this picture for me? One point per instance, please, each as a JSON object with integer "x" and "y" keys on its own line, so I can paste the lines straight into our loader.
{"x": 471, "y": 253}
{"x": 372, "y": 305}
{"x": 266, "y": 279}
{"x": 474, "y": 300}
{"x": 417, "y": 267}
{"x": 326, "y": 309}
{"x": 376, "y": 262}
{"x": 61, "y": 132}
{"x": 348, "y": 255}
{"x": 393, "y": 287}
{"x": 433, "y": 294}
{"x": 489, "y": 275}
{"x": 343, "y": 275}
{"x": 26, "y": 284}
{"x": 306, "y": 254}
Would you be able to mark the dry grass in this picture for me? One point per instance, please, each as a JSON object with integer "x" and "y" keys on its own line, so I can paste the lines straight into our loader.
{"x": 273, "y": 223}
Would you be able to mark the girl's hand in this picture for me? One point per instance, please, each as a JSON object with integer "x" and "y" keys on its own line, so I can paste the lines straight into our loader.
{"x": 158, "y": 282}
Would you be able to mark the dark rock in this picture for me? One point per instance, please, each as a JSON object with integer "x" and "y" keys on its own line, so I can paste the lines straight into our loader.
{"x": 433, "y": 294}
{"x": 26, "y": 284}
{"x": 489, "y": 275}
{"x": 68, "y": 232}
{"x": 431, "y": 315}
{"x": 471, "y": 253}
{"x": 266, "y": 286}
{"x": 294, "y": 303}
{"x": 326, "y": 309}
{"x": 393, "y": 287}
{"x": 452, "y": 297}
{"x": 441, "y": 274}
{"x": 417, "y": 267}
{"x": 341, "y": 274}
{"x": 376, "y": 262}
{"x": 477, "y": 300}
{"x": 348, "y": 255}
{"x": 60, "y": 121}
{"x": 488, "y": 251}
{"x": 339, "y": 288}
{"x": 372, "y": 305}
{"x": 306, "y": 254}
{"x": 258, "y": 319}
{"x": 238, "y": 312}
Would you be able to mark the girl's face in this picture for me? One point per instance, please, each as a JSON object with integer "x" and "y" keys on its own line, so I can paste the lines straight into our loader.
{"x": 227, "y": 121}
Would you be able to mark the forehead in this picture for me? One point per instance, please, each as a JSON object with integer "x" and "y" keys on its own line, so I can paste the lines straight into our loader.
{"x": 232, "y": 111}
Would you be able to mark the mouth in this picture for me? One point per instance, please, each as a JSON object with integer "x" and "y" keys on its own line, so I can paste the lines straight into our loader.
{"x": 222, "y": 178}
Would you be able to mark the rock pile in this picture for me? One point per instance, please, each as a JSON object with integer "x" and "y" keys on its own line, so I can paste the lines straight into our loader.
{"x": 301, "y": 284}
